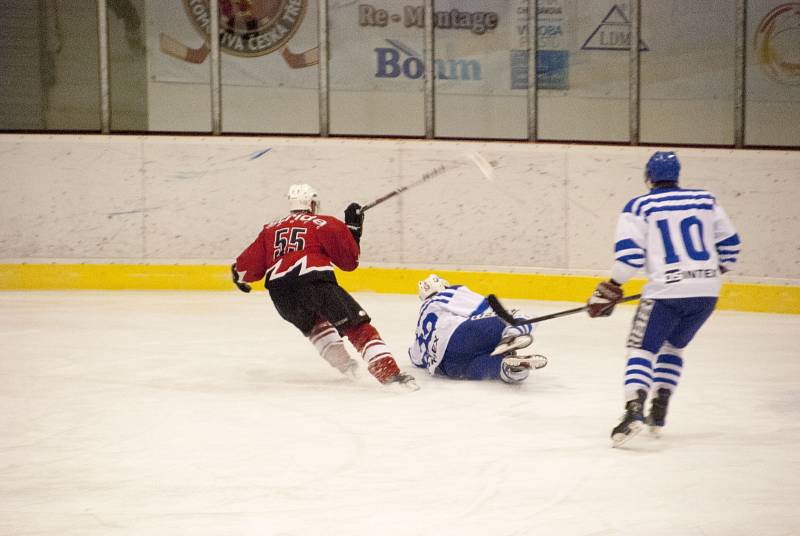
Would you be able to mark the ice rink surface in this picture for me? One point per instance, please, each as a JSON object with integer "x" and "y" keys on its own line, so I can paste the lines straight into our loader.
{"x": 193, "y": 413}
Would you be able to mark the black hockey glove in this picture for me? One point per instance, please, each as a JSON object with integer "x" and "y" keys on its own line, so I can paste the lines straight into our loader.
{"x": 354, "y": 219}
{"x": 605, "y": 297}
{"x": 244, "y": 287}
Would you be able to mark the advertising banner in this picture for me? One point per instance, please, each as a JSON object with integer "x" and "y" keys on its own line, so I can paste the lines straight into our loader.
{"x": 773, "y": 51}
{"x": 267, "y": 43}
{"x": 481, "y": 45}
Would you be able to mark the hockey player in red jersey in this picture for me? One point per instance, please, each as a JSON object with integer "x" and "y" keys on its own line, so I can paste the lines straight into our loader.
{"x": 297, "y": 254}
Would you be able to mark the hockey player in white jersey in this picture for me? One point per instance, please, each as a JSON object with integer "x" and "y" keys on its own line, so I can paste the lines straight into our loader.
{"x": 685, "y": 242}
{"x": 459, "y": 336}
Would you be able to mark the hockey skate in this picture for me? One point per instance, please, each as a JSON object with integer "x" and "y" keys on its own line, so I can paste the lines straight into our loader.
{"x": 387, "y": 372}
{"x": 347, "y": 366}
{"x": 515, "y": 368}
{"x": 350, "y": 369}
{"x": 405, "y": 381}
{"x": 632, "y": 421}
{"x": 512, "y": 343}
{"x": 658, "y": 412}
{"x": 521, "y": 362}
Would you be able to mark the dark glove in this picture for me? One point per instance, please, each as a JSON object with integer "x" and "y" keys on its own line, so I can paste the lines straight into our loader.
{"x": 244, "y": 287}
{"x": 354, "y": 219}
{"x": 605, "y": 297}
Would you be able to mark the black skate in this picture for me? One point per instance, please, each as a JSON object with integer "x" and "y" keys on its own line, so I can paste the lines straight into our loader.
{"x": 386, "y": 371}
{"x": 658, "y": 412}
{"x": 403, "y": 380}
{"x": 632, "y": 420}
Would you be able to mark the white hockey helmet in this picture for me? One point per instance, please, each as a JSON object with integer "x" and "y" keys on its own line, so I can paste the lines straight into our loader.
{"x": 430, "y": 286}
{"x": 303, "y": 197}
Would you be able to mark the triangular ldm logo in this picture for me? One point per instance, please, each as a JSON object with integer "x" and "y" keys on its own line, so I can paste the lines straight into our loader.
{"x": 613, "y": 33}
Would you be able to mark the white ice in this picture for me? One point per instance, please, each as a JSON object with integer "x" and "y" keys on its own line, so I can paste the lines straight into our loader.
{"x": 193, "y": 413}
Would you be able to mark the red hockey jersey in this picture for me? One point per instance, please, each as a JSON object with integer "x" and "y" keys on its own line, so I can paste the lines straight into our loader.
{"x": 299, "y": 245}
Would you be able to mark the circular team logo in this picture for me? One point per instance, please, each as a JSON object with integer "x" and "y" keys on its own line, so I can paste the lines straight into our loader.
{"x": 250, "y": 27}
{"x": 777, "y": 43}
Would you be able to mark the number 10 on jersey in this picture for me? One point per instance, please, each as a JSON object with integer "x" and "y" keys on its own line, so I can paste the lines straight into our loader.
{"x": 691, "y": 232}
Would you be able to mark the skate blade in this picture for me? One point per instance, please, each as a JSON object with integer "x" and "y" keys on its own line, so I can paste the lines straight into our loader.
{"x": 522, "y": 341}
{"x": 619, "y": 439}
{"x": 410, "y": 386}
{"x": 655, "y": 431}
{"x": 406, "y": 385}
{"x": 350, "y": 372}
{"x": 539, "y": 361}
{"x": 529, "y": 362}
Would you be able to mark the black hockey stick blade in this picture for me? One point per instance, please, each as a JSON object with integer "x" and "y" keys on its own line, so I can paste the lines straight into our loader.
{"x": 507, "y": 317}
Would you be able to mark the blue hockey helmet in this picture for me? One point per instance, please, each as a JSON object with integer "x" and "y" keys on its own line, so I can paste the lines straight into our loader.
{"x": 663, "y": 166}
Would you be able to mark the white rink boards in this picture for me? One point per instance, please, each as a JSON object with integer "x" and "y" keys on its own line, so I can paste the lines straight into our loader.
{"x": 203, "y": 413}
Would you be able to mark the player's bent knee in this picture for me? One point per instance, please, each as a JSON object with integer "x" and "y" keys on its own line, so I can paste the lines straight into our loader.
{"x": 361, "y": 334}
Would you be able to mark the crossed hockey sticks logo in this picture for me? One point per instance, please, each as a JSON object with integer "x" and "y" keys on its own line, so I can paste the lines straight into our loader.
{"x": 172, "y": 47}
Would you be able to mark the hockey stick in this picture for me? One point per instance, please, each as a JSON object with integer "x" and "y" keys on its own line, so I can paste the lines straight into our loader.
{"x": 300, "y": 60}
{"x": 435, "y": 172}
{"x": 485, "y": 167}
{"x": 176, "y": 49}
{"x": 506, "y": 316}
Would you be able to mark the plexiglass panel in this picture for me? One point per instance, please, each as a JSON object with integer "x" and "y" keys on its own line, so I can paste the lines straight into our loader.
{"x": 582, "y": 70}
{"x": 178, "y": 63}
{"x": 127, "y": 65}
{"x": 377, "y": 68}
{"x": 160, "y": 79}
{"x": 270, "y": 66}
{"x": 773, "y": 73}
{"x": 688, "y": 71}
{"x": 480, "y": 68}
{"x": 48, "y": 66}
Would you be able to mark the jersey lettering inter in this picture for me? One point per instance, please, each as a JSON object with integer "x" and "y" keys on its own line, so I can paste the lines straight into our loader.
{"x": 299, "y": 245}
{"x": 680, "y": 237}
{"x": 439, "y": 316}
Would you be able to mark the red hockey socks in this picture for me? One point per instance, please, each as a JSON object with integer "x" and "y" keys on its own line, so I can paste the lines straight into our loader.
{"x": 374, "y": 351}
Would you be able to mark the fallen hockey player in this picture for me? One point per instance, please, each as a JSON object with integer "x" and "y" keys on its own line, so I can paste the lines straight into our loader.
{"x": 459, "y": 336}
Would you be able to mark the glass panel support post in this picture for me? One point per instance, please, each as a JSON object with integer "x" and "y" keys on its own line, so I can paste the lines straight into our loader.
{"x": 634, "y": 71}
{"x": 739, "y": 77}
{"x": 216, "y": 79}
{"x": 324, "y": 87}
{"x": 533, "y": 48}
{"x": 102, "y": 56}
{"x": 430, "y": 124}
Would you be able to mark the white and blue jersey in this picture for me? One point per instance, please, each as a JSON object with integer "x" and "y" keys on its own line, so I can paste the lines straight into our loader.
{"x": 459, "y": 320}
{"x": 682, "y": 238}
{"x": 439, "y": 317}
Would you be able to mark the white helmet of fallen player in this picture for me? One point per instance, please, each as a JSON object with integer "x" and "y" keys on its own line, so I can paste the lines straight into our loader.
{"x": 431, "y": 285}
{"x": 303, "y": 197}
